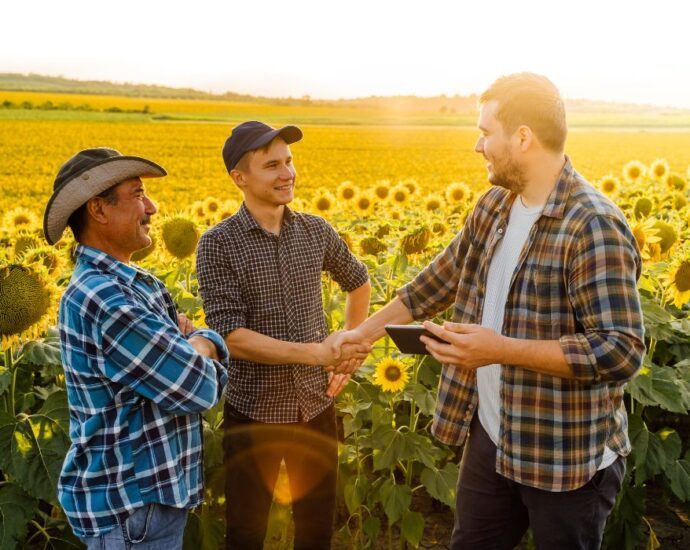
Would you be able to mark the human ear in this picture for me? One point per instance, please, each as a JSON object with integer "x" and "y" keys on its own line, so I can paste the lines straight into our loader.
{"x": 95, "y": 207}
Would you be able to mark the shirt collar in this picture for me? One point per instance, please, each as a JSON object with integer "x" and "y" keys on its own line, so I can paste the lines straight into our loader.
{"x": 249, "y": 223}
{"x": 105, "y": 262}
{"x": 555, "y": 203}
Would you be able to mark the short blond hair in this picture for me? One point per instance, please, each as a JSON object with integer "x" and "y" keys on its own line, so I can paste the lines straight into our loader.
{"x": 531, "y": 100}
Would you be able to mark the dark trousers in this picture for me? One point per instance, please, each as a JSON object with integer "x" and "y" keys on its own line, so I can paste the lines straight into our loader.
{"x": 493, "y": 512}
{"x": 253, "y": 453}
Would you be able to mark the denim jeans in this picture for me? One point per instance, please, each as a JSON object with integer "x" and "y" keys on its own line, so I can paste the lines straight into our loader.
{"x": 152, "y": 527}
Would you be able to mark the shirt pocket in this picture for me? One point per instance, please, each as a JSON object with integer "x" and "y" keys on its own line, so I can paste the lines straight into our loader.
{"x": 548, "y": 299}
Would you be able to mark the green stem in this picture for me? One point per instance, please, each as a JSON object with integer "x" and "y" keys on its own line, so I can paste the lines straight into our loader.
{"x": 9, "y": 364}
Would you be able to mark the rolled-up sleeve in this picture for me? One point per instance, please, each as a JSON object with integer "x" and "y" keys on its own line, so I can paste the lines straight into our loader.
{"x": 433, "y": 289}
{"x": 219, "y": 286}
{"x": 342, "y": 264}
{"x": 602, "y": 288}
{"x": 150, "y": 355}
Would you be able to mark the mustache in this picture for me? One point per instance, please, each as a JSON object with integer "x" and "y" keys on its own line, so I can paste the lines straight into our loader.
{"x": 146, "y": 220}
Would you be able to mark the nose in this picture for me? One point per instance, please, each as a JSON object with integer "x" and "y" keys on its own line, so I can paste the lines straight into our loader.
{"x": 479, "y": 146}
{"x": 287, "y": 172}
{"x": 151, "y": 207}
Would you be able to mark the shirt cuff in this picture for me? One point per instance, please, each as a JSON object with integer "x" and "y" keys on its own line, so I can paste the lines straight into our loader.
{"x": 407, "y": 296}
{"x": 580, "y": 358}
{"x": 223, "y": 353}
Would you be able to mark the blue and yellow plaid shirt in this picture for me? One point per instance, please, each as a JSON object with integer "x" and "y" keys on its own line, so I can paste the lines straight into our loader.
{"x": 575, "y": 282}
{"x": 136, "y": 389}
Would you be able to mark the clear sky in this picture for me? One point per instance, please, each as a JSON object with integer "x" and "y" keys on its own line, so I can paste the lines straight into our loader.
{"x": 605, "y": 49}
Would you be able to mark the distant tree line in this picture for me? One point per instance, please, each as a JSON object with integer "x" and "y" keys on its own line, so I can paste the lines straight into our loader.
{"x": 67, "y": 106}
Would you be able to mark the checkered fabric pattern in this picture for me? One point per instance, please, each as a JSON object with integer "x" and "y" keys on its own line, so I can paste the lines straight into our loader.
{"x": 575, "y": 282}
{"x": 136, "y": 388}
{"x": 250, "y": 278}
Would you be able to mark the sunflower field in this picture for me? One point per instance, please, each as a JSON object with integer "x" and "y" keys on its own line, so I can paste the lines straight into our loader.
{"x": 397, "y": 195}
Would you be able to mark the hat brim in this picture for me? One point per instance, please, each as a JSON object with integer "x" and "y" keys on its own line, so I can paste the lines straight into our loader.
{"x": 89, "y": 183}
{"x": 290, "y": 134}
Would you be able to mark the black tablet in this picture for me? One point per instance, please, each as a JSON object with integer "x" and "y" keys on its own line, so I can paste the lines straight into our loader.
{"x": 406, "y": 337}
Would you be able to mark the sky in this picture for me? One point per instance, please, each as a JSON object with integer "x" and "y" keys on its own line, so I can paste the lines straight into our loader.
{"x": 626, "y": 51}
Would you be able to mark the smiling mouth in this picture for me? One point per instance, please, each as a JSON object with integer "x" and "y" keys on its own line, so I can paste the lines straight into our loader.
{"x": 284, "y": 187}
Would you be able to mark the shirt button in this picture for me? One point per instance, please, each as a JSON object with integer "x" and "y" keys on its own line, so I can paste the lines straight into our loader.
{"x": 500, "y": 231}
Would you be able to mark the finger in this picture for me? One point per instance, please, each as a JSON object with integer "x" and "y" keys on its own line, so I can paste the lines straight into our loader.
{"x": 344, "y": 379}
{"x": 462, "y": 328}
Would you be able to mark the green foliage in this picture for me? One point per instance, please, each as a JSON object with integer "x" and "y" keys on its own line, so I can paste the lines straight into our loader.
{"x": 16, "y": 510}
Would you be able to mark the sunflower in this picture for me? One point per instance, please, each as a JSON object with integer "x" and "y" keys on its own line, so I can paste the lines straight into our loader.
{"x": 372, "y": 246}
{"x": 23, "y": 241}
{"x": 643, "y": 207}
{"x": 646, "y": 234}
{"x": 323, "y": 202}
{"x": 416, "y": 241}
{"x": 457, "y": 192}
{"x": 46, "y": 257}
{"x": 347, "y": 191}
{"x": 382, "y": 189}
{"x": 180, "y": 236}
{"x": 633, "y": 171}
{"x": 364, "y": 203}
{"x": 391, "y": 374}
{"x": 399, "y": 195}
{"x": 678, "y": 281}
{"x": 679, "y": 201}
{"x": 667, "y": 235}
{"x": 25, "y": 298}
{"x": 411, "y": 185}
{"x": 19, "y": 218}
{"x": 659, "y": 169}
{"x": 439, "y": 228}
{"x": 211, "y": 205}
{"x": 609, "y": 184}
{"x": 433, "y": 202}
{"x": 228, "y": 208}
{"x": 675, "y": 182}
{"x": 198, "y": 211}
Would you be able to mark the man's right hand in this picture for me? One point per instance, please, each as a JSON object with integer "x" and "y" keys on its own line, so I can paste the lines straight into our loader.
{"x": 342, "y": 347}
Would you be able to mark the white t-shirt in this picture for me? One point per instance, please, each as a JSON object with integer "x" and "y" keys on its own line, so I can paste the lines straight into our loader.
{"x": 503, "y": 264}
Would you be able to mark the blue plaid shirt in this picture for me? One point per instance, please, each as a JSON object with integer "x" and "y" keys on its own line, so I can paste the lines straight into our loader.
{"x": 136, "y": 389}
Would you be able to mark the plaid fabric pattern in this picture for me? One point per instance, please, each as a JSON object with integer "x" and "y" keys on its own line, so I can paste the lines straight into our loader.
{"x": 271, "y": 284}
{"x": 575, "y": 282}
{"x": 135, "y": 388}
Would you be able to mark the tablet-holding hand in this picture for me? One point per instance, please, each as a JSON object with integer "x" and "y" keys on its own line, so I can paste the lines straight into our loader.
{"x": 469, "y": 346}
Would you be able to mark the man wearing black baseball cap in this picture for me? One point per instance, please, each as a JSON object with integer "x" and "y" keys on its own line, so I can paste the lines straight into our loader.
{"x": 137, "y": 377}
{"x": 259, "y": 275}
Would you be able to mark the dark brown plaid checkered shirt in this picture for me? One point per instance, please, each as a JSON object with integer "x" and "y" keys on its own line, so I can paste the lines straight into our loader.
{"x": 575, "y": 282}
{"x": 271, "y": 284}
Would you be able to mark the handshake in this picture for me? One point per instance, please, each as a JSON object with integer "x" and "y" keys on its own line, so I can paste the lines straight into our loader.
{"x": 343, "y": 351}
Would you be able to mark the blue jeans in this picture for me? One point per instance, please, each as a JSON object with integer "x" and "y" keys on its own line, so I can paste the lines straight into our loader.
{"x": 152, "y": 527}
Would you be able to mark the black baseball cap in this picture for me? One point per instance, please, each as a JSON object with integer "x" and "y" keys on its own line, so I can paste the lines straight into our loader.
{"x": 252, "y": 135}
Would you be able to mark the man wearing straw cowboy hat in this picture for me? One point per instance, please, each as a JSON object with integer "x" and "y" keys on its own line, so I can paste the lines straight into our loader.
{"x": 137, "y": 376}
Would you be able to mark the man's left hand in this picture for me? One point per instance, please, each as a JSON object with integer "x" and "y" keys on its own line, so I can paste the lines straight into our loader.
{"x": 468, "y": 347}
{"x": 336, "y": 383}
{"x": 184, "y": 324}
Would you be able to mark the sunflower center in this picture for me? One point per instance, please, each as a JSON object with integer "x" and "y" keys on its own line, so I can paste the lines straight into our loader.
{"x": 323, "y": 204}
{"x": 393, "y": 373}
{"x": 682, "y": 278}
{"x": 348, "y": 193}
